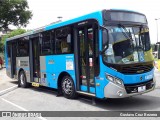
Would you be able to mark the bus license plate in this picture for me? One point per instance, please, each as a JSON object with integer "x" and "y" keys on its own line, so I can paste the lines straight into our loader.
{"x": 35, "y": 84}
{"x": 141, "y": 88}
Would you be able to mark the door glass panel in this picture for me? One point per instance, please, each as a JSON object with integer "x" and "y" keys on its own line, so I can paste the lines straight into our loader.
{"x": 86, "y": 56}
{"x": 91, "y": 56}
{"x": 14, "y": 54}
{"x": 36, "y": 65}
{"x": 82, "y": 58}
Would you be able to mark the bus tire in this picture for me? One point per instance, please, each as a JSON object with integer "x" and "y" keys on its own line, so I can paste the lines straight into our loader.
{"x": 68, "y": 88}
{"x": 23, "y": 80}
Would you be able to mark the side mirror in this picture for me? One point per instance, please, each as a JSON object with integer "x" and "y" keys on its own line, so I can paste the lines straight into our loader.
{"x": 105, "y": 38}
{"x": 155, "y": 48}
{"x": 158, "y": 55}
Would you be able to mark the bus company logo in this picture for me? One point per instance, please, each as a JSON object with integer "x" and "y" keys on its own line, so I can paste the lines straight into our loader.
{"x": 6, "y": 114}
{"x": 140, "y": 71}
{"x": 141, "y": 78}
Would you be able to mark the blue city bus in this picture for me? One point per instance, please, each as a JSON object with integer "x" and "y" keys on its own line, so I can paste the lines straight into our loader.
{"x": 105, "y": 54}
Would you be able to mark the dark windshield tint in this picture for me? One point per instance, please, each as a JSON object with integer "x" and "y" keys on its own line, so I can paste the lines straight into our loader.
{"x": 127, "y": 45}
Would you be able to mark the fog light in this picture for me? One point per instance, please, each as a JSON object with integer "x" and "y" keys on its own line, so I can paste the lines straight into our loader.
{"x": 120, "y": 93}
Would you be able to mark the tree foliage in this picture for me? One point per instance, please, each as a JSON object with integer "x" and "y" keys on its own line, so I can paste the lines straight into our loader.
{"x": 11, "y": 34}
{"x": 14, "y": 12}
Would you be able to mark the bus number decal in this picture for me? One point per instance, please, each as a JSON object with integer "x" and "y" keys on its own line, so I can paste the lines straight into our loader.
{"x": 147, "y": 77}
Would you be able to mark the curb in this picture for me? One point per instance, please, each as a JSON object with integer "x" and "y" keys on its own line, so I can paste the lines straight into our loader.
{"x": 8, "y": 90}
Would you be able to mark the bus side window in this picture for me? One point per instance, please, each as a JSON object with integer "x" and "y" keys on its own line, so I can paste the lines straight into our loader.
{"x": 46, "y": 48}
{"x": 90, "y": 39}
{"x": 64, "y": 40}
{"x": 53, "y": 44}
{"x": 8, "y": 49}
{"x": 23, "y": 47}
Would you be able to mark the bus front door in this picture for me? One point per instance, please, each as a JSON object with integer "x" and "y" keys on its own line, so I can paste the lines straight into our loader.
{"x": 12, "y": 50}
{"x": 86, "y": 58}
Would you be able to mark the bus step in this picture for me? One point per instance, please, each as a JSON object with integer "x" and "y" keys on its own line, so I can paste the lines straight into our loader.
{"x": 85, "y": 93}
{"x": 35, "y": 84}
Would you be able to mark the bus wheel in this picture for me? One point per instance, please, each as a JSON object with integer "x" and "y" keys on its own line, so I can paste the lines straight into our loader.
{"x": 68, "y": 88}
{"x": 22, "y": 80}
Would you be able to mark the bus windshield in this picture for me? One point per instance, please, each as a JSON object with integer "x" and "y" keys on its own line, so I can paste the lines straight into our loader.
{"x": 128, "y": 44}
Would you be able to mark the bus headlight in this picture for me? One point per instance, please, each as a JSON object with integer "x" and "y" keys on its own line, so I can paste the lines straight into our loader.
{"x": 110, "y": 78}
{"x": 114, "y": 79}
{"x": 118, "y": 81}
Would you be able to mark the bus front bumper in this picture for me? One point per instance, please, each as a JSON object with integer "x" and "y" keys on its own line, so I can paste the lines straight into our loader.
{"x": 113, "y": 90}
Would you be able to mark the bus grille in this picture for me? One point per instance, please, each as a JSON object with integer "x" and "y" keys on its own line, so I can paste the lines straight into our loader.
{"x": 134, "y": 88}
{"x": 136, "y": 69}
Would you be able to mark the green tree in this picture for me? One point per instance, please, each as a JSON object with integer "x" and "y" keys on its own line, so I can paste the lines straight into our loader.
{"x": 11, "y": 34}
{"x": 14, "y": 12}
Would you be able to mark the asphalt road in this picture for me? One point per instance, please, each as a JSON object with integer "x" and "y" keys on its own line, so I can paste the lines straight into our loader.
{"x": 42, "y": 99}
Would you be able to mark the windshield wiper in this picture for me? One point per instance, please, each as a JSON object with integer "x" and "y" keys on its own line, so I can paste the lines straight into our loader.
{"x": 105, "y": 48}
{"x": 128, "y": 36}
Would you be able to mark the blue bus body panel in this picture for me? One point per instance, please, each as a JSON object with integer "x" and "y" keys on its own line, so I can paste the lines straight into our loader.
{"x": 84, "y": 88}
{"x": 127, "y": 79}
{"x": 95, "y": 15}
{"x": 6, "y": 57}
{"x": 7, "y": 60}
{"x": 100, "y": 79}
{"x": 98, "y": 90}
{"x": 138, "y": 78}
{"x": 61, "y": 63}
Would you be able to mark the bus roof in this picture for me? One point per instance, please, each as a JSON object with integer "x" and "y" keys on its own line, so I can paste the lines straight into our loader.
{"x": 95, "y": 15}
{"x": 114, "y": 9}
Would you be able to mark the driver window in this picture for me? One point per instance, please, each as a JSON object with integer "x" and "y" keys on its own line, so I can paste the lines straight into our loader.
{"x": 109, "y": 53}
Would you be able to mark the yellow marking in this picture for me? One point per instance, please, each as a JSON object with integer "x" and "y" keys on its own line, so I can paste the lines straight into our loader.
{"x": 97, "y": 84}
{"x": 35, "y": 84}
{"x": 158, "y": 64}
{"x": 148, "y": 55}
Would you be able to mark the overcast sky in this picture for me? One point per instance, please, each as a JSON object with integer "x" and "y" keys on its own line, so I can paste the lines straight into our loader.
{"x": 47, "y": 11}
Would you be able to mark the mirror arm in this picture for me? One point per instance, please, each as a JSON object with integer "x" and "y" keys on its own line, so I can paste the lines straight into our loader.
{"x": 102, "y": 27}
{"x": 101, "y": 52}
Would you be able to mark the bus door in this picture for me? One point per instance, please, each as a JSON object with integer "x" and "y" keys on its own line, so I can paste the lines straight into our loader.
{"x": 86, "y": 59}
{"x": 13, "y": 59}
{"x": 36, "y": 59}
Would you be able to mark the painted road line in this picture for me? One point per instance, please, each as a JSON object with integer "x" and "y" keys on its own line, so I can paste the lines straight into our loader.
{"x": 8, "y": 90}
{"x": 42, "y": 118}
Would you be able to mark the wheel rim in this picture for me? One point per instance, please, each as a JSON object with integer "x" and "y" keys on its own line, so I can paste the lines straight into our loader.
{"x": 67, "y": 86}
{"x": 22, "y": 79}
